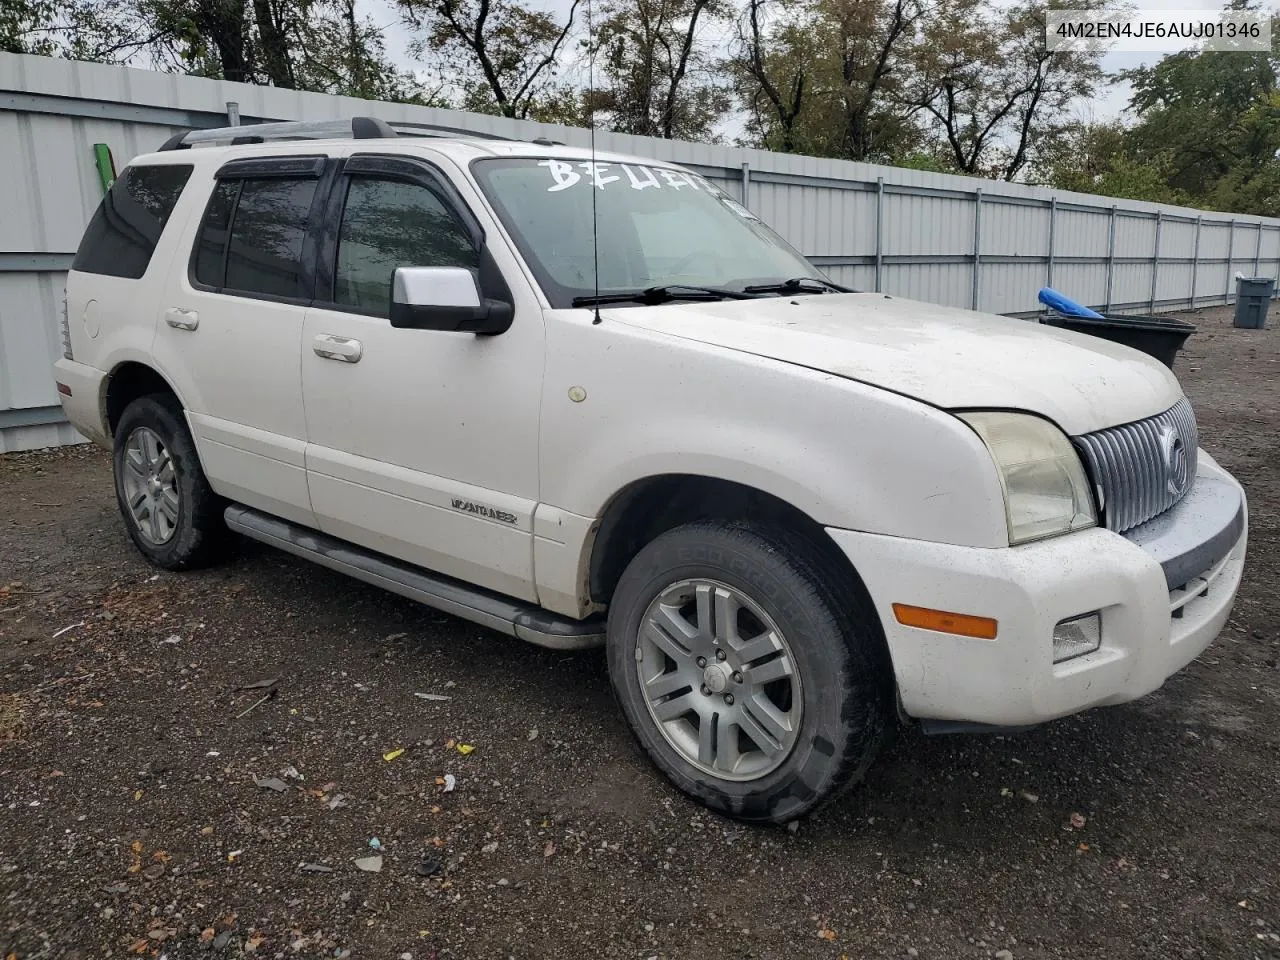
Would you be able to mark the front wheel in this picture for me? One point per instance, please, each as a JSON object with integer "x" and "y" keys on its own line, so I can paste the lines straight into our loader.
{"x": 754, "y": 678}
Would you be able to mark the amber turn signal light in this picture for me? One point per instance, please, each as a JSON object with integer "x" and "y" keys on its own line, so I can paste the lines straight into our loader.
{"x": 961, "y": 624}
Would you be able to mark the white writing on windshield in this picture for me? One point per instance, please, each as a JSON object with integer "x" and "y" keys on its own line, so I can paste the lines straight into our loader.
{"x": 599, "y": 175}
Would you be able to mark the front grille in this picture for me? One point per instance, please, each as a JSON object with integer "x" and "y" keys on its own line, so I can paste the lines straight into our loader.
{"x": 1140, "y": 470}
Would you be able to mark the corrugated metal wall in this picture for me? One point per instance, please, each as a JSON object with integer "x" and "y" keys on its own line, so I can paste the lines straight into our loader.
{"x": 953, "y": 240}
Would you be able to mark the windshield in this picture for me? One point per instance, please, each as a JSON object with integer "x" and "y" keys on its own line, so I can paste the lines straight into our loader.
{"x": 657, "y": 227}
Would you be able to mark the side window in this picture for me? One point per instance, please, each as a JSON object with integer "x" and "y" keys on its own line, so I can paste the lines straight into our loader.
{"x": 124, "y": 231}
{"x": 252, "y": 235}
{"x": 211, "y": 243}
{"x": 388, "y": 224}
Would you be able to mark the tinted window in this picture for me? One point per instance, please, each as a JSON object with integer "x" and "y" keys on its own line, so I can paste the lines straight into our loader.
{"x": 124, "y": 232}
{"x": 387, "y": 224}
{"x": 211, "y": 245}
{"x": 264, "y": 254}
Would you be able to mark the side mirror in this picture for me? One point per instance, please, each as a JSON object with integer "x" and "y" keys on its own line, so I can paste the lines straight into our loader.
{"x": 445, "y": 298}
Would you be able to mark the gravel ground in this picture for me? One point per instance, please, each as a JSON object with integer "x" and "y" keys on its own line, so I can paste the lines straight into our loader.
{"x": 191, "y": 764}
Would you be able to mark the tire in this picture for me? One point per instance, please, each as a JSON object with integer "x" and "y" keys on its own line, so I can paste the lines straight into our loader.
{"x": 839, "y": 671}
{"x": 177, "y": 521}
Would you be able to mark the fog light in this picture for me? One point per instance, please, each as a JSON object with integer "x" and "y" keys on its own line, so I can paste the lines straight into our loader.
{"x": 1076, "y": 637}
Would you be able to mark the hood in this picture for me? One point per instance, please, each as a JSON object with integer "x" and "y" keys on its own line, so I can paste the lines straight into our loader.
{"x": 946, "y": 357}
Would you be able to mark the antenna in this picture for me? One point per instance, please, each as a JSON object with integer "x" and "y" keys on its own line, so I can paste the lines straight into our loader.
{"x": 591, "y": 123}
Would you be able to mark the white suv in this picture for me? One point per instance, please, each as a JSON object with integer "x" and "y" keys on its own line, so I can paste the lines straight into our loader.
{"x": 792, "y": 513}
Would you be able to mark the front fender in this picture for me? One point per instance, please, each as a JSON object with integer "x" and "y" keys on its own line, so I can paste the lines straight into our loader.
{"x": 621, "y": 404}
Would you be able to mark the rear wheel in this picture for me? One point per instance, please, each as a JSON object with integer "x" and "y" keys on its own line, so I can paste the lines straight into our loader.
{"x": 172, "y": 515}
{"x": 755, "y": 680}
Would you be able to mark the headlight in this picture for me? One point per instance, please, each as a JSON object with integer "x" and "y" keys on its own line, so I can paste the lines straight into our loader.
{"x": 1045, "y": 490}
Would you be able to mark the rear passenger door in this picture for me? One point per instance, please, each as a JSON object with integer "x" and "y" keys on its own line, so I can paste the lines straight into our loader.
{"x": 231, "y": 331}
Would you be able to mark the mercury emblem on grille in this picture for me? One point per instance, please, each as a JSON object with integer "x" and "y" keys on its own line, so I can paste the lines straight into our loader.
{"x": 1175, "y": 460}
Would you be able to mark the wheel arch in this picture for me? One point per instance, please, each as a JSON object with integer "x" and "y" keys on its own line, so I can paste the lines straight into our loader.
{"x": 650, "y": 506}
{"x": 126, "y": 382}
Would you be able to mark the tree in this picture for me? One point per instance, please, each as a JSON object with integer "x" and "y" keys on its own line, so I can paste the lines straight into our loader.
{"x": 825, "y": 76}
{"x": 275, "y": 21}
{"x": 76, "y": 29}
{"x": 991, "y": 87}
{"x": 871, "y": 39}
{"x": 1212, "y": 112}
{"x": 1207, "y": 133}
{"x": 770, "y": 78}
{"x": 1213, "y": 120}
{"x": 319, "y": 45}
{"x": 1252, "y": 183}
{"x": 1095, "y": 158}
{"x": 657, "y": 70}
{"x": 955, "y": 84}
{"x": 338, "y": 51}
{"x": 212, "y": 37}
{"x": 503, "y": 52}
{"x": 24, "y": 25}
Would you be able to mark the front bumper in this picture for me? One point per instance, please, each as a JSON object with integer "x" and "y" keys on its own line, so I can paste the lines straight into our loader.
{"x": 1152, "y": 624}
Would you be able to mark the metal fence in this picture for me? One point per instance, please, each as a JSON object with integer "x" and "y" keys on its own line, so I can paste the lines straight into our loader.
{"x": 953, "y": 240}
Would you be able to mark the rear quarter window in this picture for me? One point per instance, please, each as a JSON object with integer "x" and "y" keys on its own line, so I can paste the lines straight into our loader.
{"x": 124, "y": 231}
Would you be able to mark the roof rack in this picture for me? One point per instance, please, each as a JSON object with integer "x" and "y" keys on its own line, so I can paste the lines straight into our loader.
{"x": 357, "y": 128}
{"x": 407, "y": 129}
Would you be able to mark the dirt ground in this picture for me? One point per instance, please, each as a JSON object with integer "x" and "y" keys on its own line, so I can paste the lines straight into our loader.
{"x": 135, "y": 722}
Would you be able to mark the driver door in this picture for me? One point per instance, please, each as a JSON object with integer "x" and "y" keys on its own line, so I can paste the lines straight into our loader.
{"x": 422, "y": 444}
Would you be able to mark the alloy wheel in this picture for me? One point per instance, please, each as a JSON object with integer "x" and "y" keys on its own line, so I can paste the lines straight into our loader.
{"x": 719, "y": 679}
{"x": 151, "y": 486}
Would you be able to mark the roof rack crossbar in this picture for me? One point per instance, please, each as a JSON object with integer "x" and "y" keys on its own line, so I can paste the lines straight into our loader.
{"x": 359, "y": 128}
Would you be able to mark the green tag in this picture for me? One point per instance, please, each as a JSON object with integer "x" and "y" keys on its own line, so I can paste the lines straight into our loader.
{"x": 105, "y": 164}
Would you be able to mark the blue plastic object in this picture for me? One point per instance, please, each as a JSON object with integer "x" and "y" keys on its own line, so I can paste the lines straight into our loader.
{"x": 1056, "y": 301}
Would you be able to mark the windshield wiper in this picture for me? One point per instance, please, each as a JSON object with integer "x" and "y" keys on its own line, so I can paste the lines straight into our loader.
{"x": 799, "y": 285}
{"x": 665, "y": 294}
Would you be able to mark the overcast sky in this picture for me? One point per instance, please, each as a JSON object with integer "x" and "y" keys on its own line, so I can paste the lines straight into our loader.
{"x": 1109, "y": 104}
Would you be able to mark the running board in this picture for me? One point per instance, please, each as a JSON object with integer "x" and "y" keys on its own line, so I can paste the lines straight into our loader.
{"x": 512, "y": 617}
{"x": 941, "y": 728}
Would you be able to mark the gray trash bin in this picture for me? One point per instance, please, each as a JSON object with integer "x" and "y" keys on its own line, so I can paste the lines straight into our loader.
{"x": 1253, "y": 296}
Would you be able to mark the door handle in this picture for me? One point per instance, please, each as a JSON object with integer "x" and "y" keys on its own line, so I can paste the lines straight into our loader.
{"x": 181, "y": 319}
{"x": 337, "y": 348}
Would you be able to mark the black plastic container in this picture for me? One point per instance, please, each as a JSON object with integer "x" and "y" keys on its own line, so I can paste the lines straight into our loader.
{"x": 1253, "y": 296}
{"x": 1160, "y": 337}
